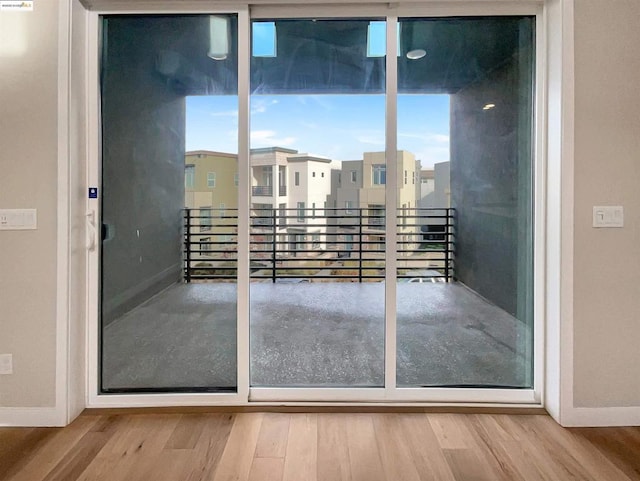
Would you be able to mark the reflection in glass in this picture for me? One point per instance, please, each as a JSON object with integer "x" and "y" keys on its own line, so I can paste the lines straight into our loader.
{"x": 317, "y": 205}
{"x": 169, "y": 160}
{"x": 465, "y": 295}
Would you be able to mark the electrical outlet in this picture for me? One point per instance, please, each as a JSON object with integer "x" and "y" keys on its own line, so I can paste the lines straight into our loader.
{"x": 6, "y": 363}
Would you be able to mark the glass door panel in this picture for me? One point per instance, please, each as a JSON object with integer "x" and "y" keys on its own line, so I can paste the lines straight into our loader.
{"x": 317, "y": 177}
{"x": 169, "y": 203}
{"x": 318, "y": 173}
{"x": 465, "y": 231}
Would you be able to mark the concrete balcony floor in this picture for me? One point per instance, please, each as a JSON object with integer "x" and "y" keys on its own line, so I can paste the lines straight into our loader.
{"x": 315, "y": 334}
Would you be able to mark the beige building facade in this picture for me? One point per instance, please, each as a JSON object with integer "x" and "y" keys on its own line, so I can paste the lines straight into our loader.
{"x": 211, "y": 198}
{"x": 362, "y": 192}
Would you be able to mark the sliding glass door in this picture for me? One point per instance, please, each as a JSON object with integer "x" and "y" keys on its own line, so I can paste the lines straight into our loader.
{"x": 318, "y": 208}
{"x": 169, "y": 203}
{"x": 465, "y": 230}
{"x": 317, "y": 203}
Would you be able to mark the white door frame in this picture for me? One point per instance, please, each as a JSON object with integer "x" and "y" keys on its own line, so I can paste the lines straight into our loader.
{"x": 389, "y": 395}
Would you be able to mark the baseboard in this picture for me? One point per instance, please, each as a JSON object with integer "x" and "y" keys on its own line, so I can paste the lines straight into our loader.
{"x": 32, "y": 417}
{"x": 601, "y": 417}
{"x": 140, "y": 293}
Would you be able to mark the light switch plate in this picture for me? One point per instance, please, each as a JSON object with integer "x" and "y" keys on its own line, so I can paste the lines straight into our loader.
{"x": 608, "y": 216}
{"x": 18, "y": 219}
{"x": 6, "y": 364}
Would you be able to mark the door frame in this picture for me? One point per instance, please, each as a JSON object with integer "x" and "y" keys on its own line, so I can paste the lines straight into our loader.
{"x": 390, "y": 394}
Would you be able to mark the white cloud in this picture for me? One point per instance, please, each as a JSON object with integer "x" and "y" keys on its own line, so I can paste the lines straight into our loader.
{"x": 427, "y": 137}
{"x": 440, "y": 138}
{"x": 225, "y": 113}
{"x": 370, "y": 140}
{"x": 269, "y": 138}
{"x": 260, "y": 106}
{"x": 309, "y": 125}
{"x": 320, "y": 101}
{"x": 432, "y": 155}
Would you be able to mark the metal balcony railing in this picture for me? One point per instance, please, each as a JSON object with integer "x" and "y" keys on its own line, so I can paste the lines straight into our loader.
{"x": 262, "y": 190}
{"x": 329, "y": 245}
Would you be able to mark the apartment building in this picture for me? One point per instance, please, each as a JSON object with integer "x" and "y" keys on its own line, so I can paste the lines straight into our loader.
{"x": 310, "y": 181}
{"x": 361, "y": 192}
{"x": 435, "y": 193}
{"x": 211, "y": 199}
{"x": 289, "y": 192}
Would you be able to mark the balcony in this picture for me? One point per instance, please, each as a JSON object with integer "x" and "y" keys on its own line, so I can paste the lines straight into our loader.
{"x": 376, "y": 221}
{"x": 317, "y": 310}
{"x": 314, "y": 334}
{"x": 262, "y": 190}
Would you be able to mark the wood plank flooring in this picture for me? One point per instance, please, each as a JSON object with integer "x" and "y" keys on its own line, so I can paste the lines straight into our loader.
{"x": 323, "y": 446}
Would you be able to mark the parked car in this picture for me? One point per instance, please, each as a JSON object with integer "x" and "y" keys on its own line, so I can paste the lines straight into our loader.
{"x": 291, "y": 280}
{"x": 423, "y": 275}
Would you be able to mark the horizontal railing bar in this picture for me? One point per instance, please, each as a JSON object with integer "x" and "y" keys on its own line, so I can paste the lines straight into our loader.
{"x": 355, "y": 276}
{"x": 276, "y": 256}
{"x": 213, "y": 259}
{"x": 302, "y": 242}
{"x": 215, "y": 242}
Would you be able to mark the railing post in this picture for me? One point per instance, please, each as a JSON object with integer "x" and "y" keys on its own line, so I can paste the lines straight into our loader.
{"x": 446, "y": 245}
{"x": 187, "y": 243}
{"x": 273, "y": 246}
{"x": 360, "y": 245}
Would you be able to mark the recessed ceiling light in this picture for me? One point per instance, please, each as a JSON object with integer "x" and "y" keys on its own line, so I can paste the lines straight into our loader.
{"x": 488, "y": 106}
{"x": 416, "y": 54}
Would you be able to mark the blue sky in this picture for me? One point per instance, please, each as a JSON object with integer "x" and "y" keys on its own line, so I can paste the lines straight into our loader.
{"x": 339, "y": 127}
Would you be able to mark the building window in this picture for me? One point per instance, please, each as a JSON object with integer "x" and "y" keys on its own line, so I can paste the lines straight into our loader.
{"x": 300, "y": 211}
{"x": 413, "y": 178}
{"x": 354, "y": 177}
{"x": 322, "y": 174}
{"x": 315, "y": 241}
{"x": 211, "y": 179}
{"x": 189, "y": 176}
{"x": 379, "y": 174}
{"x": 205, "y": 218}
{"x": 205, "y": 245}
{"x": 282, "y": 215}
{"x": 348, "y": 207}
{"x": 405, "y": 177}
{"x": 349, "y": 242}
{"x": 296, "y": 180}
{"x": 339, "y": 178}
{"x": 222, "y": 209}
{"x": 235, "y": 179}
{"x": 313, "y": 210}
{"x": 313, "y": 174}
{"x": 376, "y": 216}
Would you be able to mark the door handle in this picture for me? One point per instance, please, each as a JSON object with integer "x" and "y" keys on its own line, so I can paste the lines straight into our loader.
{"x": 92, "y": 232}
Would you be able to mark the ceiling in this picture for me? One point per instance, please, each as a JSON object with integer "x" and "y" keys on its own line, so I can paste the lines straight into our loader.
{"x": 330, "y": 56}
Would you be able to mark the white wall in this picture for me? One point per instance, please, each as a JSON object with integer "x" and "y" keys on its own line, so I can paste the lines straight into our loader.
{"x": 43, "y": 155}
{"x": 28, "y": 156}
{"x": 607, "y": 172}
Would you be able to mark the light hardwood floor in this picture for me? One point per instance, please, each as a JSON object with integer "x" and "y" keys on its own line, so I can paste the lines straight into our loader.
{"x": 318, "y": 447}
